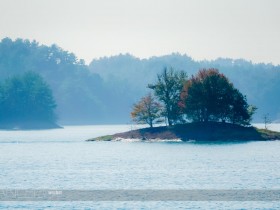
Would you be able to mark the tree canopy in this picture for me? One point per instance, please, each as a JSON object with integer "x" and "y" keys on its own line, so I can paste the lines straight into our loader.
{"x": 26, "y": 98}
{"x": 209, "y": 96}
{"x": 147, "y": 110}
{"x": 167, "y": 89}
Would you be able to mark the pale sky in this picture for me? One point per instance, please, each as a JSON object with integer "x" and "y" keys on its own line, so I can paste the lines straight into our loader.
{"x": 203, "y": 29}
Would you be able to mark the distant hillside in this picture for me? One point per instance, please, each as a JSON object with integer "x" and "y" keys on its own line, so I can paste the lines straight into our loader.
{"x": 80, "y": 94}
{"x": 259, "y": 82}
{"x": 105, "y": 91}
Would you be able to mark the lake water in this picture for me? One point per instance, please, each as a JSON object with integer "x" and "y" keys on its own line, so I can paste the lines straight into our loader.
{"x": 61, "y": 159}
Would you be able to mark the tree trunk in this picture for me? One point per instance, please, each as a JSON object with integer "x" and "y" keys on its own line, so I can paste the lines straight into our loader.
{"x": 151, "y": 124}
{"x": 169, "y": 121}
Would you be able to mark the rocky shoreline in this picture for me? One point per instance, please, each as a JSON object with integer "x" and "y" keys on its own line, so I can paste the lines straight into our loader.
{"x": 211, "y": 131}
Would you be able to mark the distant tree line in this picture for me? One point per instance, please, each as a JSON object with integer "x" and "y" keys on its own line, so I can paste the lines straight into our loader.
{"x": 207, "y": 96}
{"x": 104, "y": 90}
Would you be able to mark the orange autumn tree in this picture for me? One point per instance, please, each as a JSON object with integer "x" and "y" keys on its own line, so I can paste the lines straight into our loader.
{"x": 147, "y": 111}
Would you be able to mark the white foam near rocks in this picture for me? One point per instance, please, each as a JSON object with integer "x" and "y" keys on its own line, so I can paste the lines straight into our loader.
{"x": 146, "y": 140}
{"x": 126, "y": 140}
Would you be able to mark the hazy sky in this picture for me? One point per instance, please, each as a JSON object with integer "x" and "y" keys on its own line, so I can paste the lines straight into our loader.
{"x": 203, "y": 29}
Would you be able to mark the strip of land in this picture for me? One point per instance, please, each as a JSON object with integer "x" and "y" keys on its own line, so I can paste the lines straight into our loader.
{"x": 211, "y": 131}
{"x": 27, "y": 125}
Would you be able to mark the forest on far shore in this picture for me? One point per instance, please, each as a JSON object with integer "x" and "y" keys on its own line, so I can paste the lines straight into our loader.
{"x": 104, "y": 91}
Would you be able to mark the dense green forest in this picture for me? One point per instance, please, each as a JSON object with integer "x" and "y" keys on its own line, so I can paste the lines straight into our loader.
{"x": 26, "y": 101}
{"x": 105, "y": 90}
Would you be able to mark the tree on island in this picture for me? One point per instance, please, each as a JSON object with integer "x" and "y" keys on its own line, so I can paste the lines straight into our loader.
{"x": 209, "y": 96}
{"x": 266, "y": 120}
{"x": 147, "y": 110}
{"x": 167, "y": 89}
{"x": 26, "y": 99}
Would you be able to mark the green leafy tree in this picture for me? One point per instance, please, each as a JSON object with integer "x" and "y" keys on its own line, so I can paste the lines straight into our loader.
{"x": 146, "y": 111}
{"x": 167, "y": 89}
{"x": 26, "y": 98}
{"x": 209, "y": 96}
{"x": 240, "y": 112}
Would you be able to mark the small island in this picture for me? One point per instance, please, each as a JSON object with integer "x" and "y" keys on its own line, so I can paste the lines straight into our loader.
{"x": 206, "y": 107}
{"x": 211, "y": 131}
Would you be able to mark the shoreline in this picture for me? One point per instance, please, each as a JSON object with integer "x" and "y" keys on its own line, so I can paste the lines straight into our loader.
{"x": 30, "y": 126}
{"x": 198, "y": 132}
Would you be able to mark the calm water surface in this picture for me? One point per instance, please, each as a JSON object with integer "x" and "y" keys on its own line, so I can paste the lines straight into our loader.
{"x": 61, "y": 159}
